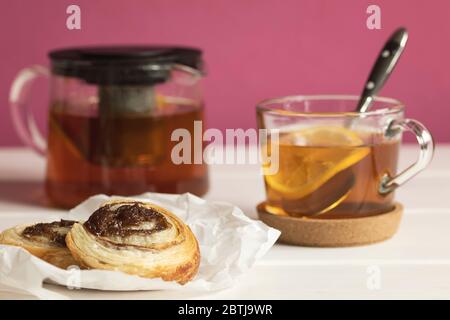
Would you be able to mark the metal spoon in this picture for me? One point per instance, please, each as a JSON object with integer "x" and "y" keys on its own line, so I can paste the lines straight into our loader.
{"x": 382, "y": 69}
{"x": 387, "y": 59}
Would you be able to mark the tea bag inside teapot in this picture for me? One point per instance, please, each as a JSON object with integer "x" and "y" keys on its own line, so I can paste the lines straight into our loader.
{"x": 116, "y": 100}
{"x": 129, "y": 134}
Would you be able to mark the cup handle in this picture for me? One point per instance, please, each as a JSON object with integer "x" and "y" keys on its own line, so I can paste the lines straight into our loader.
{"x": 426, "y": 144}
{"x": 18, "y": 101}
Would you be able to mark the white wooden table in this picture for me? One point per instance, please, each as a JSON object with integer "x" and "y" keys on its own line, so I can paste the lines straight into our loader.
{"x": 414, "y": 264}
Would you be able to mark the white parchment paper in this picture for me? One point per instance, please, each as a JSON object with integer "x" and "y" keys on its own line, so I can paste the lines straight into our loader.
{"x": 230, "y": 244}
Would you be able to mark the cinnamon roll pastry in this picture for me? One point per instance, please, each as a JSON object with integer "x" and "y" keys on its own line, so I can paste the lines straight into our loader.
{"x": 136, "y": 238}
{"x": 43, "y": 240}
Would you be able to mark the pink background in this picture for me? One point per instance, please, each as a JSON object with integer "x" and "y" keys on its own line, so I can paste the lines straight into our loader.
{"x": 254, "y": 49}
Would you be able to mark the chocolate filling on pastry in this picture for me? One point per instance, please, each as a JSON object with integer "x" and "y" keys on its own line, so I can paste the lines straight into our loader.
{"x": 54, "y": 232}
{"x": 124, "y": 220}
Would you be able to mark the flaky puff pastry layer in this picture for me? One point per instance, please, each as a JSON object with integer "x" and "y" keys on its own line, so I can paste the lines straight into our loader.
{"x": 44, "y": 249}
{"x": 171, "y": 254}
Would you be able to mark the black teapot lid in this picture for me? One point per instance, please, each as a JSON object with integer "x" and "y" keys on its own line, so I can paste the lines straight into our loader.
{"x": 123, "y": 65}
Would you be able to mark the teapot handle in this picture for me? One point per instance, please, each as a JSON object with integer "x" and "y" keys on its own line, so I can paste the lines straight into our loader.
{"x": 22, "y": 118}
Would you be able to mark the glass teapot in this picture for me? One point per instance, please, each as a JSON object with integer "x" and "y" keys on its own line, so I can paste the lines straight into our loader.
{"x": 112, "y": 111}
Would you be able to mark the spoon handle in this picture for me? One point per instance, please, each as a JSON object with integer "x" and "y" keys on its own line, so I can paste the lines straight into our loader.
{"x": 387, "y": 59}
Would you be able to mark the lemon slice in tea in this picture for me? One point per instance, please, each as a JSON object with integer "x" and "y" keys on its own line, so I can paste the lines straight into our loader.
{"x": 310, "y": 157}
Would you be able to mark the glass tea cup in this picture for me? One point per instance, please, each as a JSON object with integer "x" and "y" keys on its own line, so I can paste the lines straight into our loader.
{"x": 333, "y": 162}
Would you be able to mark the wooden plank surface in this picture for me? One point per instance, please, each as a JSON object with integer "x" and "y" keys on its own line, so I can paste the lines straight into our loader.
{"x": 414, "y": 264}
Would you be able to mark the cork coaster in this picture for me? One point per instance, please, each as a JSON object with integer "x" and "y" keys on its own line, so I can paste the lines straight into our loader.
{"x": 334, "y": 232}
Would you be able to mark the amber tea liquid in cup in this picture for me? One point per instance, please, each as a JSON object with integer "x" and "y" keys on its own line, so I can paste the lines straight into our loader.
{"x": 333, "y": 162}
